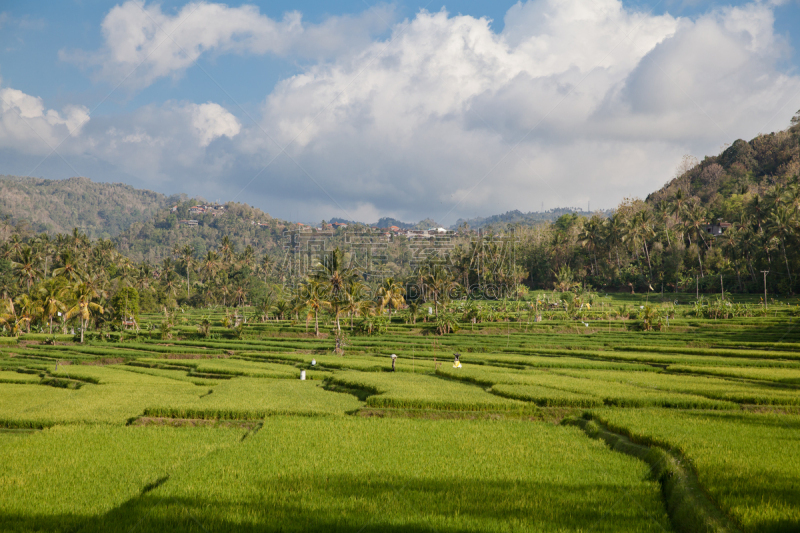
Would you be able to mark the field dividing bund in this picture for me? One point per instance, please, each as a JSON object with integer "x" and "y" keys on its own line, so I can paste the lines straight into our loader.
{"x": 219, "y": 433}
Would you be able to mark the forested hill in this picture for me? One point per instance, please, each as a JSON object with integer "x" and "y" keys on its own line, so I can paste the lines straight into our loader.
{"x": 100, "y": 210}
{"x": 158, "y": 237}
{"x": 744, "y": 167}
{"x": 525, "y": 219}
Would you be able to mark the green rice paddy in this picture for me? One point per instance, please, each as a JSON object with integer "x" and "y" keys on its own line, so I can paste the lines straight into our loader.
{"x": 140, "y": 433}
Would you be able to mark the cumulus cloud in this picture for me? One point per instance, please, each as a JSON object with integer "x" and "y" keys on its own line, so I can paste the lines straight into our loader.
{"x": 160, "y": 144}
{"x": 143, "y": 44}
{"x": 575, "y": 100}
{"x": 26, "y": 125}
{"x": 212, "y": 121}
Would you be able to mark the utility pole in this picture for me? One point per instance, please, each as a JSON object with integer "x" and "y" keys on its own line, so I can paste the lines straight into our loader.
{"x": 765, "y": 287}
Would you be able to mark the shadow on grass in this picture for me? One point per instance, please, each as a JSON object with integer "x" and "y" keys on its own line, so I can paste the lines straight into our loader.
{"x": 351, "y": 504}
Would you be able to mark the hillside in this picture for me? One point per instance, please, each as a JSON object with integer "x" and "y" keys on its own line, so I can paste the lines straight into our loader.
{"x": 767, "y": 161}
{"x": 157, "y": 237}
{"x": 525, "y": 219}
{"x": 57, "y": 206}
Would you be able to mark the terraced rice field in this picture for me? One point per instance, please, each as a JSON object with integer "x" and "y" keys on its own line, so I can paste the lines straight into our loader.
{"x": 220, "y": 434}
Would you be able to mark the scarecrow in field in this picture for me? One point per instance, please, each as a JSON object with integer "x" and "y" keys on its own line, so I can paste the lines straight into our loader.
{"x": 394, "y": 358}
{"x": 456, "y": 362}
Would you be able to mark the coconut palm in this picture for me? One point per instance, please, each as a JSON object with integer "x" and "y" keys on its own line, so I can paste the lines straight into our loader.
{"x": 226, "y": 250}
{"x": 52, "y": 294}
{"x": 26, "y": 267}
{"x": 28, "y": 309}
{"x": 781, "y": 225}
{"x": 187, "y": 258}
{"x": 312, "y": 299}
{"x": 642, "y": 223}
{"x": 615, "y": 234}
{"x": 265, "y": 266}
{"x": 144, "y": 277}
{"x": 437, "y": 281}
{"x": 10, "y": 317}
{"x": 282, "y": 309}
{"x": 210, "y": 265}
{"x": 69, "y": 267}
{"x": 335, "y": 279}
{"x": 677, "y": 204}
{"x": 591, "y": 237}
{"x": 391, "y": 295}
{"x": 83, "y": 305}
{"x": 247, "y": 257}
{"x": 693, "y": 224}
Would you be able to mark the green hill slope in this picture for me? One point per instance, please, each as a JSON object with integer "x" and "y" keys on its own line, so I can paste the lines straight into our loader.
{"x": 766, "y": 162}
{"x": 57, "y": 206}
{"x": 157, "y": 237}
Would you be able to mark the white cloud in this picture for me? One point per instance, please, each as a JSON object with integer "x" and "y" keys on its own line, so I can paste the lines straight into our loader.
{"x": 143, "y": 44}
{"x": 26, "y": 125}
{"x": 575, "y": 100}
{"x": 212, "y": 121}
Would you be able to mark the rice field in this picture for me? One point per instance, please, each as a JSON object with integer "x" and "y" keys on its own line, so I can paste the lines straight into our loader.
{"x": 752, "y": 472}
{"x": 220, "y": 434}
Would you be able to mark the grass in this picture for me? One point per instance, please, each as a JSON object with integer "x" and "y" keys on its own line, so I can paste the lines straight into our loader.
{"x": 706, "y": 386}
{"x": 779, "y": 375}
{"x": 404, "y": 391}
{"x": 123, "y": 395}
{"x": 456, "y": 450}
{"x": 7, "y": 376}
{"x": 404, "y": 475}
{"x": 254, "y": 399}
{"x": 751, "y": 473}
{"x": 67, "y": 477}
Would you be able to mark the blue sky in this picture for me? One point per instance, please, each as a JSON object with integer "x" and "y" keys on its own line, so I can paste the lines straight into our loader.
{"x": 361, "y": 109}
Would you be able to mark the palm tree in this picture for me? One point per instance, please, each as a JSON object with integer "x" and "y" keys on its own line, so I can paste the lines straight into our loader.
{"x": 9, "y": 317}
{"x": 226, "y": 249}
{"x": 334, "y": 280}
{"x": 265, "y": 305}
{"x": 240, "y": 293}
{"x": 83, "y": 307}
{"x": 615, "y": 234}
{"x": 282, "y": 308}
{"x": 144, "y": 277}
{"x": 26, "y": 267}
{"x": 694, "y": 226}
{"x": 247, "y": 257}
{"x": 51, "y": 294}
{"x": 170, "y": 282}
{"x": 210, "y": 265}
{"x": 781, "y": 224}
{"x": 436, "y": 282}
{"x": 28, "y": 309}
{"x": 591, "y": 237}
{"x": 390, "y": 294}
{"x": 13, "y": 247}
{"x": 187, "y": 257}
{"x": 221, "y": 285}
{"x": 643, "y": 229}
{"x": 69, "y": 267}
{"x": 313, "y": 301}
{"x": 677, "y": 204}
{"x": 265, "y": 266}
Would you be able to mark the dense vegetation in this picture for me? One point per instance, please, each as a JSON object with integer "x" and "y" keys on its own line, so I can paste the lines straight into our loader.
{"x": 100, "y": 210}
